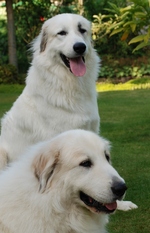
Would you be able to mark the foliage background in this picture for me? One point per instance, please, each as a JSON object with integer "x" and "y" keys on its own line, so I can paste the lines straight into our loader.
{"x": 114, "y": 24}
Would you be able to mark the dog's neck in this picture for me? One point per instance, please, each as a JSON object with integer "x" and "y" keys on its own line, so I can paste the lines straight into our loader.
{"x": 78, "y": 217}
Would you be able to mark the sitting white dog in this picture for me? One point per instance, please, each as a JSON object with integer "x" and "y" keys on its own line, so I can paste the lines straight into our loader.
{"x": 64, "y": 185}
{"x": 60, "y": 90}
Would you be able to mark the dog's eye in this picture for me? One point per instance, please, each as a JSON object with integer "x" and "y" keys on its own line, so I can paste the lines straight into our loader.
{"x": 62, "y": 33}
{"x": 86, "y": 163}
{"x": 107, "y": 157}
{"x": 82, "y": 30}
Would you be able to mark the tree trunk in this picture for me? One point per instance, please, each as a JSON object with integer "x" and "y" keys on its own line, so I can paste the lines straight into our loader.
{"x": 11, "y": 34}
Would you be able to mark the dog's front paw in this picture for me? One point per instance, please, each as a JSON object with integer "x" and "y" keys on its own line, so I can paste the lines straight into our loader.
{"x": 126, "y": 205}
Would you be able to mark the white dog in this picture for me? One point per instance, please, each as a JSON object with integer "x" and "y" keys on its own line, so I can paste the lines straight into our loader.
{"x": 64, "y": 185}
{"x": 60, "y": 89}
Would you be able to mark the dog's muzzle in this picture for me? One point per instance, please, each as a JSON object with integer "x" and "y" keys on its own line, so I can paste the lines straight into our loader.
{"x": 118, "y": 190}
{"x": 96, "y": 206}
{"x": 76, "y": 64}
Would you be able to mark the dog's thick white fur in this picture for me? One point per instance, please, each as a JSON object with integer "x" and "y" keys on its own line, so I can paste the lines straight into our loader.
{"x": 60, "y": 89}
{"x": 65, "y": 185}
{"x": 54, "y": 99}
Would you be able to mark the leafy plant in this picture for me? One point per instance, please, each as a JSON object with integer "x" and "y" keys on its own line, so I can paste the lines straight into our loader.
{"x": 132, "y": 22}
{"x": 8, "y": 74}
{"x": 124, "y": 68}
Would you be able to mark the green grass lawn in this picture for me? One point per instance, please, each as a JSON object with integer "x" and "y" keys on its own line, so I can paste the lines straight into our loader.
{"x": 125, "y": 121}
{"x": 8, "y": 94}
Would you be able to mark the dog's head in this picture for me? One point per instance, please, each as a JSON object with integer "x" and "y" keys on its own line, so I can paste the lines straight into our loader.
{"x": 77, "y": 165}
{"x": 65, "y": 39}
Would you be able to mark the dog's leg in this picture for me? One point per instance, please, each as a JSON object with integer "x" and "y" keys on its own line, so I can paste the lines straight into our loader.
{"x": 126, "y": 205}
{"x": 3, "y": 158}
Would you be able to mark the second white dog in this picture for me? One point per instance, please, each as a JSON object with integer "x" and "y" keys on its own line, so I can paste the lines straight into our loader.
{"x": 66, "y": 185}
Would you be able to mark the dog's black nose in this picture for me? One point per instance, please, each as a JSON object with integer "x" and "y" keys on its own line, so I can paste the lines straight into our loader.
{"x": 79, "y": 48}
{"x": 119, "y": 188}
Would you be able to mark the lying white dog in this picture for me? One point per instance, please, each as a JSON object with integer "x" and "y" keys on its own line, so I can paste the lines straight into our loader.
{"x": 64, "y": 185}
{"x": 60, "y": 89}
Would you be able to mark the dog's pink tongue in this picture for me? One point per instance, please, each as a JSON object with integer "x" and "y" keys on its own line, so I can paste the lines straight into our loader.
{"x": 111, "y": 206}
{"x": 77, "y": 66}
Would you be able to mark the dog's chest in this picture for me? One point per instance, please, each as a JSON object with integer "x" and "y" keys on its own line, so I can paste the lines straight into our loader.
{"x": 58, "y": 119}
{"x": 62, "y": 108}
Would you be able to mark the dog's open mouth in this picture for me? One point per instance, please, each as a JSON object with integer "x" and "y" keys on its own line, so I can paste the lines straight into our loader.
{"x": 96, "y": 206}
{"x": 76, "y": 64}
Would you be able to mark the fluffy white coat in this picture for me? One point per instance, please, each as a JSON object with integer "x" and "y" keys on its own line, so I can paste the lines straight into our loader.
{"x": 40, "y": 193}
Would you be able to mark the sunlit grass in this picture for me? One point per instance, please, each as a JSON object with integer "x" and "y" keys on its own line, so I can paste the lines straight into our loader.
{"x": 140, "y": 83}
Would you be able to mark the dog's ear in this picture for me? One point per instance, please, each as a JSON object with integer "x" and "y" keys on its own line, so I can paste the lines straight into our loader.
{"x": 44, "y": 166}
{"x": 43, "y": 40}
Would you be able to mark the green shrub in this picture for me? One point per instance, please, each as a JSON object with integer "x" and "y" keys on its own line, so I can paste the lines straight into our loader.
{"x": 8, "y": 74}
{"x": 128, "y": 68}
{"x": 125, "y": 71}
